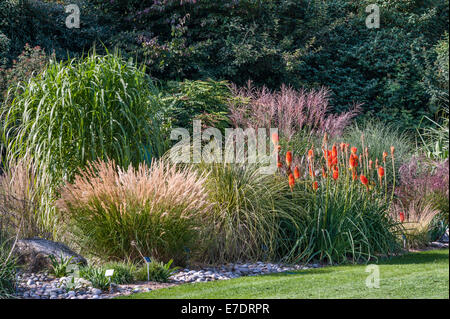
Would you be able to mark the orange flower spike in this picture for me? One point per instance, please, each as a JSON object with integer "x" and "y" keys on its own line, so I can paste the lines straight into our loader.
{"x": 376, "y": 164}
{"x": 354, "y": 150}
{"x": 288, "y": 158}
{"x": 291, "y": 181}
{"x": 315, "y": 185}
{"x": 335, "y": 173}
{"x": 334, "y": 155}
{"x": 296, "y": 173}
{"x": 364, "y": 181}
{"x": 342, "y": 147}
{"x": 311, "y": 154}
{"x": 275, "y": 138}
{"x": 353, "y": 162}
{"x": 380, "y": 171}
{"x": 380, "y": 174}
{"x": 279, "y": 165}
{"x": 401, "y": 215}
{"x": 370, "y": 164}
{"x": 392, "y": 151}
{"x": 334, "y": 151}
{"x": 311, "y": 172}
{"x": 385, "y": 154}
{"x": 324, "y": 174}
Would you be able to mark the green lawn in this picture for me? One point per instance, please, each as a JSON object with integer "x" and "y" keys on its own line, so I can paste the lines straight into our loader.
{"x": 416, "y": 275}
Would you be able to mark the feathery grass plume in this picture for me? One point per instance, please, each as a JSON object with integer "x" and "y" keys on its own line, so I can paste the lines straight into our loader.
{"x": 289, "y": 110}
{"x": 417, "y": 222}
{"x": 25, "y": 194}
{"x": 378, "y": 138}
{"x": 160, "y": 208}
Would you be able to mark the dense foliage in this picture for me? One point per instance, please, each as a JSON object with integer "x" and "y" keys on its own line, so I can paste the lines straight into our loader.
{"x": 81, "y": 110}
{"x": 302, "y": 43}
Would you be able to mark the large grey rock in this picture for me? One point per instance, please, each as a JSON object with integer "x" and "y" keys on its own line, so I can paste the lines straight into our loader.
{"x": 34, "y": 253}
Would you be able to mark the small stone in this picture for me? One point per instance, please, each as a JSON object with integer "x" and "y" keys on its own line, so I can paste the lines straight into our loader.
{"x": 96, "y": 291}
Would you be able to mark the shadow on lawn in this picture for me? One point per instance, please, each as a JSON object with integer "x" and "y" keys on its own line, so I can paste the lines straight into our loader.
{"x": 436, "y": 256}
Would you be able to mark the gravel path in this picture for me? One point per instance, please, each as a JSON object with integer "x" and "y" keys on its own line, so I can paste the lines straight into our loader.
{"x": 44, "y": 286}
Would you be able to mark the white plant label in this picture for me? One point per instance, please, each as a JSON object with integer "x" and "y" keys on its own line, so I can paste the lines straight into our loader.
{"x": 109, "y": 272}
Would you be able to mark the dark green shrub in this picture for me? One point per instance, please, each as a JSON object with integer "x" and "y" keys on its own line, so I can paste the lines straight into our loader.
{"x": 202, "y": 100}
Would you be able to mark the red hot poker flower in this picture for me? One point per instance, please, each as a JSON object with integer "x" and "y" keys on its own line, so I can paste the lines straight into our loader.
{"x": 275, "y": 138}
{"x": 296, "y": 173}
{"x": 364, "y": 181}
{"x": 354, "y": 150}
{"x": 288, "y": 158}
{"x": 315, "y": 185}
{"x": 402, "y": 216}
{"x": 380, "y": 171}
{"x": 311, "y": 172}
{"x": 335, "y": 173}
{"x": 353, "y": 162}
{"x": 324, "y": 174}
{"x": 291, "y": 181}
{"x": 334, "y": 151}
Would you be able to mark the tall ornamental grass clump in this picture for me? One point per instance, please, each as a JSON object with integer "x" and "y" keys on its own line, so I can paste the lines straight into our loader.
{"x": 9, "y": 227}
{"x": 24, "y": 194}
{"x": 83, "y": 109}
{"x": 379, "y": 136}
{"x": 7, "y": 269}
{"x": 122, "y": 214}
{"x": 347, "y": 216}
{"x": 247, "y": 216}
